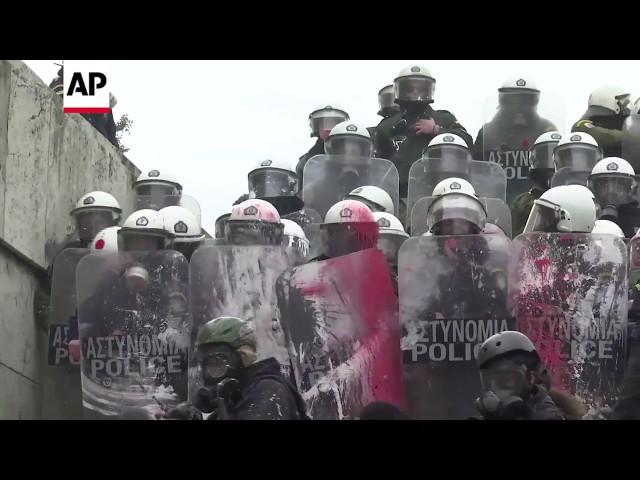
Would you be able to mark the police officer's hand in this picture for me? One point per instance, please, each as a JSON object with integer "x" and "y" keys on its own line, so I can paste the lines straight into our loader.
{"x": 426, "y": 127}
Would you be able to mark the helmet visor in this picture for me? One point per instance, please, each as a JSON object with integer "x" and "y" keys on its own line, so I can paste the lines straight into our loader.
{"x": 345, "y": 238}
{"x": 387, "y": 100}
{"x": 577, "y": 157}
{"x": 456, "y": 215}
{"x": 91, "y": 222}
{"x": 414, "y": 89}
{"x": 612, "y": 189}
{"x": 518, "y": 101}
{"x": 325, "y": 121}
{"x": 241, "y": 232}
{"x": 542, "y": 219}
{"x": 156, "y": 197}
{"x": 266, "y": 183}
{"x": 349, "y": 145}
{"x": 390, "y": 244}
{"x": 542, "y": 155}
{"x": 136, "y": 240}
{"x": 454, "y": 157}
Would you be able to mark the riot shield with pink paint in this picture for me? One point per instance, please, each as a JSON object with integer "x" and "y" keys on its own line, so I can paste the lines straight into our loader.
{"x": 453, "y": 296}
{"x": 569, "y": 295}
{"x": 340, "y": 318}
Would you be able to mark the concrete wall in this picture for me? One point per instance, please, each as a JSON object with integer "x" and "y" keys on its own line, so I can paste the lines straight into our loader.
{"x": 47, "y": 161}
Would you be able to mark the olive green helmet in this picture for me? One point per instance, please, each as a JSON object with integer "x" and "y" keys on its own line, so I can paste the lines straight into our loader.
{"x": 229, "y": 330}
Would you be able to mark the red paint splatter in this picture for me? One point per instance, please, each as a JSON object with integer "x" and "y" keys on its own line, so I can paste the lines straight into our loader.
{"x": 525, "y": 144}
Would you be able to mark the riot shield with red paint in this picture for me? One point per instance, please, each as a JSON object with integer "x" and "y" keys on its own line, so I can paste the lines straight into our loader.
{"x": 453, "y": 296}
{"x": 340, "y": 318}
{"x": 569, "y": 295}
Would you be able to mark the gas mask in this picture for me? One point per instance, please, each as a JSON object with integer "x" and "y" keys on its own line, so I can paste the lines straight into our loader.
{"x": 136, "y": 278}
{"x": 505, "y": 389}
{"x": 221, "y": 370}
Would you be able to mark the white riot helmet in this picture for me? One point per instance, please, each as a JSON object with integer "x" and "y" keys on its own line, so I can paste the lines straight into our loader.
{"x": 449, "y": 147}
{"x": 254, "y": 222}
{"x": 323, "y": 119}
{"x": 457, "y": 210}
{"x": 454, "y": 185}
{"x": 373, "y": 197}
{"x": 578, "y": 151}
{"x": 613, "y": 182}
{"x": 295, "y": 240}
{"x": 414, "y": 84}
{"x": 609, "y": 100}
{"x": 568, "y": 208}
{"x": 106, "y": 240}
{"x": 350, "y": 139}
{"x": 186, "y": 228}
{"x": 608, "y": 228}
{"x": 541, "y": 163}
{"x": 518, "y": 95}
{"x": 349, "y": 226}
{"x": 276, "y": 182}
{"x": 542, "y": 150}
{"x": 387, "y": 102}
{"x": 144, "y": 230}
{"x": 157, "y": 189}
{"x": 94, "y": 212}
{"x": 391, "y": 235}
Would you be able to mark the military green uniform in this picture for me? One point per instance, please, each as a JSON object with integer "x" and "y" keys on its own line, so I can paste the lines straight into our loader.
{"x": 395, "y": 138}
{"x": 607, "y": 131}
{"x": 521, "y": 208}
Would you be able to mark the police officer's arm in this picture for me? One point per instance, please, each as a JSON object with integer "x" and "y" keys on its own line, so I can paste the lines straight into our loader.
{"x": 606, "y": 137}
{"x": 448, "y": 123}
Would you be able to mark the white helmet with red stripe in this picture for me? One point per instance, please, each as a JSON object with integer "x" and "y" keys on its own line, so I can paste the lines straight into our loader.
{"x": 106, "y": 240}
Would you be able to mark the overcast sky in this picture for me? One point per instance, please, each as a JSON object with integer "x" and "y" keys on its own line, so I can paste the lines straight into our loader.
{"x": 211, "y": 121}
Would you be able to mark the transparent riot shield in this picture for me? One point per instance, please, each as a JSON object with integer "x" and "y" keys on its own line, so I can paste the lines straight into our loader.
{"x": 310, "y": 221}
{"x": 631, "y": 141}
{"x": 238, "y": 282}
{"x": 488, "y": 179}
{"x": 498, "y": 213}
{"x": 453, "y": 296}
{"x": 134, "y": 330}
{"x": 569, "y": 295}
{"x": 343, "y": 333}
{"x": 329, "y": 178}
{"x": 569, "y": 176}
{"x": 61, "y": 389}
{"x": 511, "y": 126}
{"x": 158, "y": 202}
